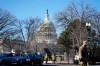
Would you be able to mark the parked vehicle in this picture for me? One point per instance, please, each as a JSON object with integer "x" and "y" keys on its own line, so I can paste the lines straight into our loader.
{"x": 34, "y": 58}
{"x": 14, "y": 59}
{"x": 2, "y": 57}
{"x": 24, "y": 60}
{"x": 37, "y": 59}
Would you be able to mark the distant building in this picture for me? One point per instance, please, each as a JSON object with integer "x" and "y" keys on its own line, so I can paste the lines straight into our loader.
{"x": 12, "y": 45}
{"x": 46, "y": 34}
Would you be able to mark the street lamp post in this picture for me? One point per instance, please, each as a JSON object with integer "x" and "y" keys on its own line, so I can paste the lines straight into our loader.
{"x": 36, "y": 48}
{"x": 88, "y": 26}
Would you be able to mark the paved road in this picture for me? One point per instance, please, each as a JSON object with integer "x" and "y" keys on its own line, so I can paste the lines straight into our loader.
{"x": 51, "y": 65}
{"x": 73, "y": 65}
{"x": 34, "y": 65}
{"x": 64, "y": 64}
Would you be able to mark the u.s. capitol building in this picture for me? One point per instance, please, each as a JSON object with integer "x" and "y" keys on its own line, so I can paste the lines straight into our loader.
{"x": 46, "y": 34}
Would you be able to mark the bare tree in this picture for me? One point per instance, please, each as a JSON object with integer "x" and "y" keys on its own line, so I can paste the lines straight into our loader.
{"x": 96, "y": 22}
{"x": 6, "y": 20}
{"x": 7, "y": 24}
{"x": 31, "y": 26}
{"x": 83, "y": 12}
{"x": 8, "y": 29}
{"x": 10, "y": 26}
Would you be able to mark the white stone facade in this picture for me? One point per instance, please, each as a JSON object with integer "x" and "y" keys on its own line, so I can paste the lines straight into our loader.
{"x": 46, "y": 34}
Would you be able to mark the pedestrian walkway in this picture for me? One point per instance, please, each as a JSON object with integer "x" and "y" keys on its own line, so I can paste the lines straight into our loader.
{"x": 49, "y": 62}
{"x": 59, "y": 62}
{"x": 63, "y": 63}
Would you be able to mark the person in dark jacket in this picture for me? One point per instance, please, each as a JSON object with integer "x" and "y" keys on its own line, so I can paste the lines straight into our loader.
{"x": 83, "y": 55}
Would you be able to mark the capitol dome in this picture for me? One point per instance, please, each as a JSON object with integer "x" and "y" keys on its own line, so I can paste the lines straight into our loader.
{"x": 47, "y": 32}
{"x": 45, "y": 36}
{"x": 47, "y": 23}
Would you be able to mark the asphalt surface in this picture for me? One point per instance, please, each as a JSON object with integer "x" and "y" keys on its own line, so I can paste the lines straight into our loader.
{"x": 50, "y": 65}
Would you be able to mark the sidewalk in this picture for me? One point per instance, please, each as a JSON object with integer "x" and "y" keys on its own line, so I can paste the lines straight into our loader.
{"x": 59, "y": 62}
